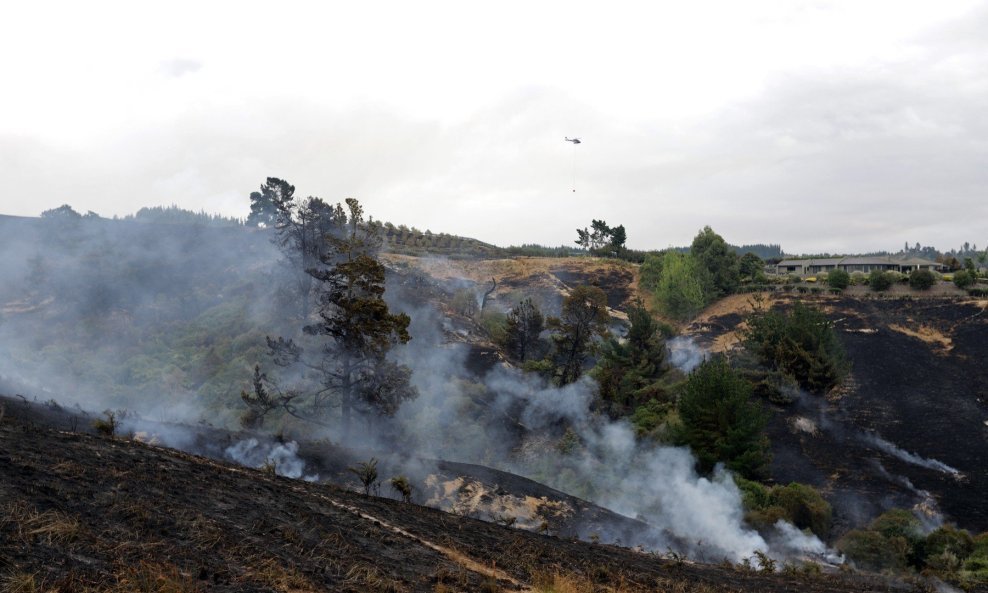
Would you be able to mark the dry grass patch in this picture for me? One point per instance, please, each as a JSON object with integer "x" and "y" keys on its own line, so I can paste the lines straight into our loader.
{"x": 928, "y": 334}
{"x": 19, "y": 582}
{"x": 283, "y": 579}
{"x": 367, "y": 578}
{"x": 151, "y": 577}
{"x": 52, "y": 527}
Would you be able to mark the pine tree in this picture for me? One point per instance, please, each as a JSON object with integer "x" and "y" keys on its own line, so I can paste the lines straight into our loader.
{"x": 524, "y": 325}
{"x": 346, "y": 348}
{"x": 720, "y": 423}
{"x": 584, "y": 317}
{"x": 629, "y": 372}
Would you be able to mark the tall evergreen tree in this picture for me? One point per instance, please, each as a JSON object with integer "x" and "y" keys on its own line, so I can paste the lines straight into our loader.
{"x": 721, "y": 423}
{"x": 345, "y": 350}
{"x": 801, "y": 342}
{"x": 301, "y": 228}
{"x": 583, "y": 318}
{"x": 630, "y": 370}
{"x": 524, "y": 325}
{"x": 262, "y": 210}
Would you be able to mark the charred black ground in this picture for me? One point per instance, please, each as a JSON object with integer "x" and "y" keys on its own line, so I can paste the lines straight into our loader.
{"x": 917, "y": 382}
{"x": 82, "y": 512}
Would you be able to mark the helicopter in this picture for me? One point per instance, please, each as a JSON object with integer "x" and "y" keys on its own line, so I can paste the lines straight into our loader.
{"x": 573, "y": 140}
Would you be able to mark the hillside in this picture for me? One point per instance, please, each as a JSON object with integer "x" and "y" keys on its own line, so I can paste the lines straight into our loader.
{"x": 164, "y": 324}
{"x": 84, "y": 513}
{"x": 911, "y": 426}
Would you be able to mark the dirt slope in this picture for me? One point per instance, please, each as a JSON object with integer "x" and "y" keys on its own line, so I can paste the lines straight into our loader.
{"x": 84, "y": 513}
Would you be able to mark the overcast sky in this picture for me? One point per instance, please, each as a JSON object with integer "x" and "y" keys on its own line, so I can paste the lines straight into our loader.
{"x": 823, "y": 126}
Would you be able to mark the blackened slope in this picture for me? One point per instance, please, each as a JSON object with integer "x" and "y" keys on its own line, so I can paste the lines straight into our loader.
{"x": 84, "y": 511}
{"x": 926, "y": 400}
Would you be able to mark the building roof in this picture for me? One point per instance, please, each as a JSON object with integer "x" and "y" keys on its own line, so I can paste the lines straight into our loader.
{"x": 858, "y": 261}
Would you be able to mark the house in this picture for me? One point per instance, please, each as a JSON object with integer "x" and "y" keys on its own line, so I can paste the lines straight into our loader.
{"x": 812, "y": 266}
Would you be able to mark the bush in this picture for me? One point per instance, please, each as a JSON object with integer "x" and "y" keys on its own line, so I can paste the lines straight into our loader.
{"x": 859, "y": 278}
{"x": 963, "y": 279}
{"x": 894, "y": 541}
{"x": 871, "y": 550}
{"x": 946, "y": 549}
{"x": 106, "y": 426}
{"x": 799, "y": 504}
{"x": 890, "y": 542}
{"x": 921, "y": 279}
{"x": 494, "y": 324}
{"x": 838, "y": 279}
{"x": 649, "y": 417}
{"x": 976, "y": 565}
{"x": 804, "y": 506}
{"x": 897, "y": 277}
{"x": 879, "y": 280}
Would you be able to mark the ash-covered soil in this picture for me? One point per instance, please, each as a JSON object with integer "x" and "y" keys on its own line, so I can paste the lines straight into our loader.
{"x": 910, "y": 428}
{"x": 88, "y": 513}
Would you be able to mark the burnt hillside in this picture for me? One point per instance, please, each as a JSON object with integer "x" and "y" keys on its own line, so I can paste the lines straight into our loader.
{"x": 910, "y": 428}
{"x": 85, "y": 513}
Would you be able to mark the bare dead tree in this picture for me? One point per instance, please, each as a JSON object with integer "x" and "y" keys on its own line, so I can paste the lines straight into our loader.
{"x": 488, "y": 294}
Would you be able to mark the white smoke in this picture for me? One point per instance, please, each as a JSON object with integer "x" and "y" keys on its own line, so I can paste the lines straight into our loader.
{"x": 693, "y": 514}
{"x": 926, "y": 510}
{"x": 790, "y": 541}
{"x": 659, "y": 485}
{"x": 911, "y": 458}
{"x": 685, "y": 354}
{"x": 283, "y": 456}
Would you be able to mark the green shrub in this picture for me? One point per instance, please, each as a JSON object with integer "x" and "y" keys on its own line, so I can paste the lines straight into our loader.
{"x": 976, "y": 565}
{"x": 804, "y": 507}
{"x": 799, "y": 504}
{"x": 871, "y": 550}
{"x": 838, "y": 279}
{"x": 921, "y": 279}
{"x": 898, "y": 523}
{"x": 879, "y": 280}
{"x": 859, "y": 278}
{"x": 963, "y": 279}
{"x": 754, "y": 495}
{"x": 648, "y": 417}
{"x": 945, "y": 549}
{"x": 495, "y": 325}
